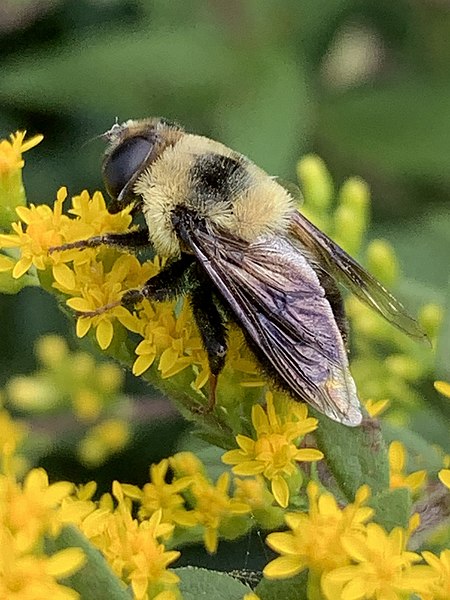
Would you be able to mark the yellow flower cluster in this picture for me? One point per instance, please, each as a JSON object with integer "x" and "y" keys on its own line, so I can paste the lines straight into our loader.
{"x": 275, "y": 453}
{"x": 192, "y": 500}
{"x": 350, "y": 558}
{"x": 75, "y": 380}
{"x": 132, "y": 549}
{"x": 27, "y": 513}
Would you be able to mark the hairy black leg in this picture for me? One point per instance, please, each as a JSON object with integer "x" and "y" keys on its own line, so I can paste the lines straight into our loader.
{"x": 213, "y": 332}
{"x": 174, "y": 280}
{"x": 129, "y": 239}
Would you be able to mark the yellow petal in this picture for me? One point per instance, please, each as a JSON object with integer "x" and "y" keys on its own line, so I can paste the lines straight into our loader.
{"x": 308, "y": 455}
{"x": 283, "y": 567}
{"x": 34, "y": 141}
{"x": 443, "y": 387}
{"x": 79, "y": 304}
{"x": 283, "y": 543}
{"x": 444, "y": 476}
{"x": 83, "y": 326}
{"x": 210, "y": 539}
{"x": 104, "y": 333}
{"x": 6, "y": 263}
{"x": 280, "y": 491}
{"x": 397, "y": 456}
{"x": 66, "y": 562}
{"x": 22, "y": 267}
{"x": 64, "y": 276}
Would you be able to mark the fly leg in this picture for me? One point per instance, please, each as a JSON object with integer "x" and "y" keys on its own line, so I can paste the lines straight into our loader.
{"x": 213, "y": 332}
{"x": 130, "y": 239}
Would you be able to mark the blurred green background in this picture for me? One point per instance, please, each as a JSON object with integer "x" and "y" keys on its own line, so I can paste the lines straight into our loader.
{"x": 364, "y": 84}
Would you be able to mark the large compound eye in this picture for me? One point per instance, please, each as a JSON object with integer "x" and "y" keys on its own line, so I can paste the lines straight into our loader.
{"x": 124, "y": 163}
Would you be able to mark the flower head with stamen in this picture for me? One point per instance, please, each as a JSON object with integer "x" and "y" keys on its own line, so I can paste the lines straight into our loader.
{"x": 214, "y": 507}
{"x": 275, "y": 453}
{"x": 314, "y": 539}
{"x": 164, "y": 496}
{"x": 383, "y": 567}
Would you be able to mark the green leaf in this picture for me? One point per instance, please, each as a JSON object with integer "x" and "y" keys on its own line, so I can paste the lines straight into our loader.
{"x": 200, "y": 583}
{"x": 355, "y": 455}
{"x": 293, "y": 588}
{"x": 95, "y": 581}
{"x": 392, "y": 508}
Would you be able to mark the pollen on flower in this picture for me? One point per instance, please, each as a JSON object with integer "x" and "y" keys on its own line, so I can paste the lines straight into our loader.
{"x": 274, "y": 453}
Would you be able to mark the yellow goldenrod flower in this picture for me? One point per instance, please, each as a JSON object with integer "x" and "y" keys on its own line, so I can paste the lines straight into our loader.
{"x": 132, "y": 549}
{"x": 12, "y": 193}
{"x": 160, "y": 495}
{"x": 29, "y": 510}
{"x": 275, "y": 451}
{"x": 443, "y": 387}
{"x": 315, "y": 539}
{"x": 440, "y": 589}
{"x": 92, "y": 289}
{"x": 102, "y": 440}
{"x": 186, "y": 464}
{"x": 28, "y": 576}
{"x": 11, "y": 151}
{"x": 214, "y": 507}
{"x": 383, "y": 568}
{"x": 76, "y": 507}
{"x": 43, "y": 230}
{"x": 398, "y": 478}
{"x": 172, "y": 337}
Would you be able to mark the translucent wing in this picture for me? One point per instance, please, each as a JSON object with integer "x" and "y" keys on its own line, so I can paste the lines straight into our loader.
{"x": 346, "y": 270}
{"x": 276, "y": 297}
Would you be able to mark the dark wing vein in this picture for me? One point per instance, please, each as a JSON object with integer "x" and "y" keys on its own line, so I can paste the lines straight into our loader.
{"x": 276, "y": 297}
{"x": 342, "y": 266}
